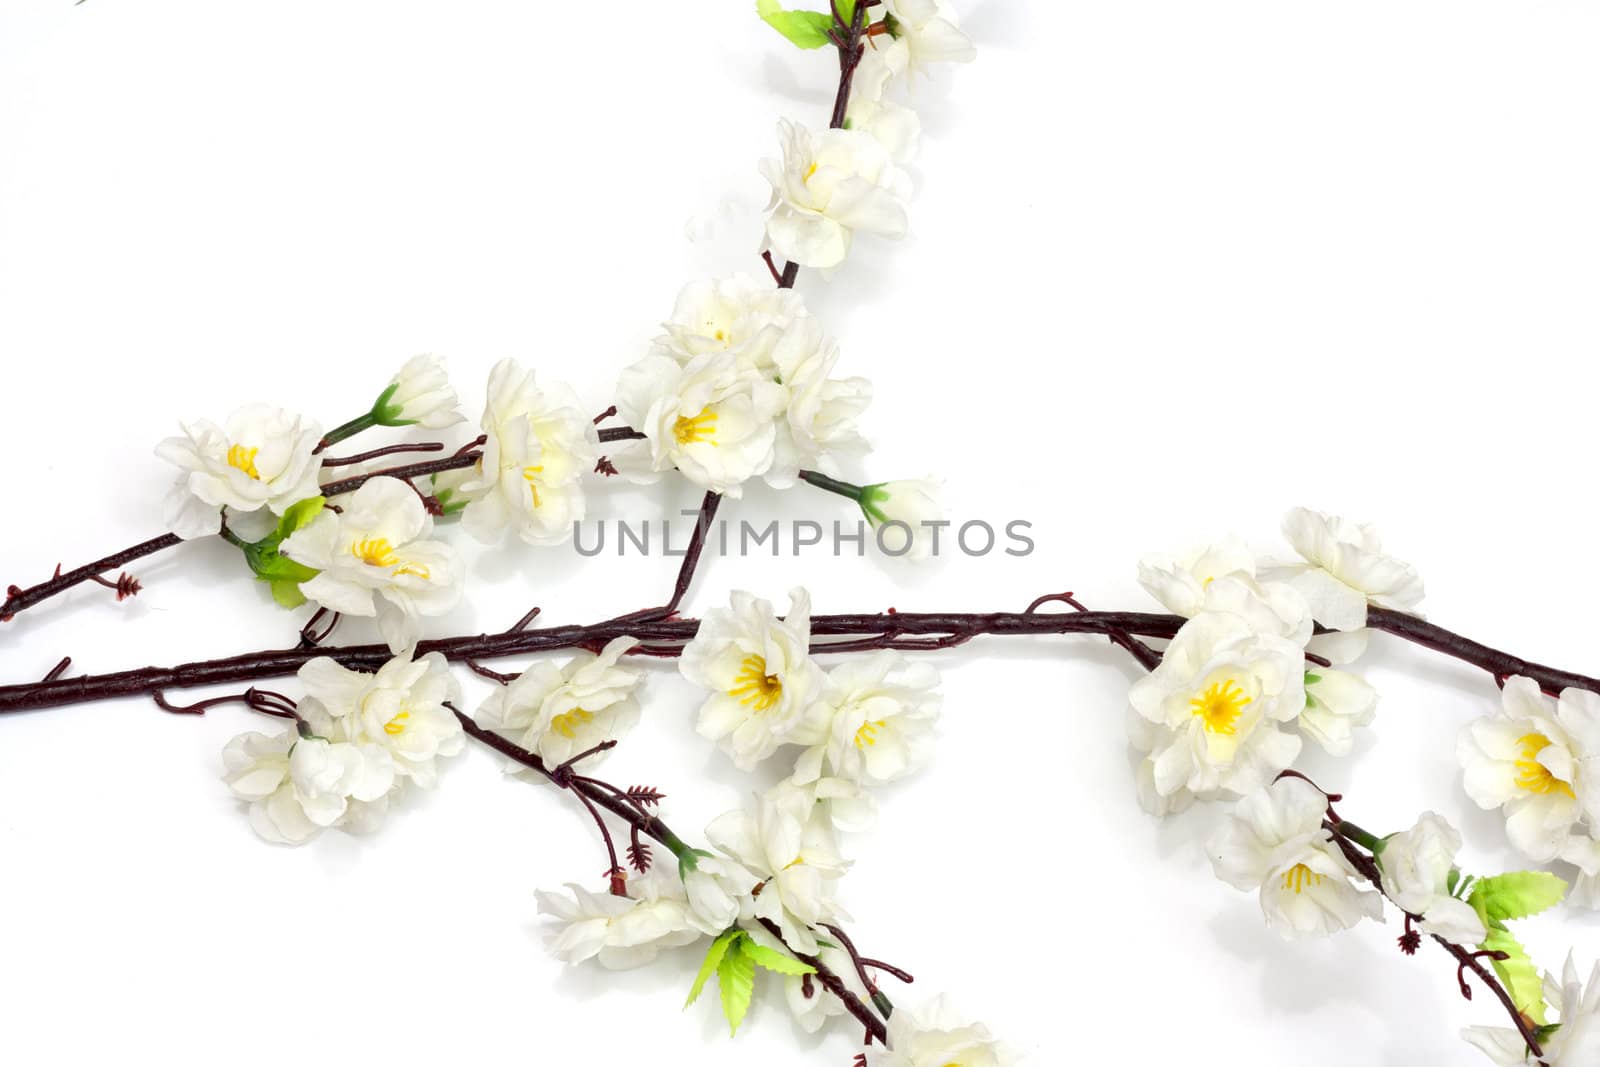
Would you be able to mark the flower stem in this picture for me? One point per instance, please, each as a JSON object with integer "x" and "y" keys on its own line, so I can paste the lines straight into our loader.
{"x": 344, "y": 431}
{"x": 832, "y": 485}
{"x": 1369, "y": 841}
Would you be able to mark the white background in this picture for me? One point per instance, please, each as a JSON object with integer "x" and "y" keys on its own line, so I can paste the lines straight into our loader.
{"x": 1174, "y": 268}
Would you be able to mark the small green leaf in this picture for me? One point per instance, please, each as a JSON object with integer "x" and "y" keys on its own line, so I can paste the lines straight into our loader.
{"x": 1516, "y": 895}
{"x": 714, "y": 955}
{"x": 807, "y": 29}
{"x": 1518, "y": 974}
{"x": 1312, "y": 679}
{"x": 287, "y": 593}
{"x": 299, "y": 515}
{"x": 773, "y": 960}
{"x": 736, "y": 981}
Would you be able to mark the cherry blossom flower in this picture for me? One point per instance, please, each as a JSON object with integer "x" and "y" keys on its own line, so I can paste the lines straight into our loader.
{"x": 736, "y": 314}
{"x": 1416, "y": 866}
{"x": 877, "y": 715}
{"x": 298, "y": 786}
{"x": 927, "y": 30}
{"x": 419, "y": 395}
{"x": 828, "y": 185}
{"x": 620, "y": 932}
{"x": 902, "y": 508}
{"x": 935, "y": 1035}
{"x": 558, "y": 712}
{"x": 1575, "y": 1042}
{"x": 400, "y": 708}
{"x": 1345, "y": 569}
{"x": 262, "y": 458}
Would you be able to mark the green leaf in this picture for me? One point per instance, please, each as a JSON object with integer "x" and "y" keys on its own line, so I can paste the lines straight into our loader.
{"x": 1518, "y": 974}
{"x": 1516, "y": 895}
{"x": 806, "y": 29}
{"x": 736, "y": 981}
{"x": 299, "y": 515}
{"x": 714, "y": 955}
{"x": 773, "y": 960}
{"x": 287, "y": 593}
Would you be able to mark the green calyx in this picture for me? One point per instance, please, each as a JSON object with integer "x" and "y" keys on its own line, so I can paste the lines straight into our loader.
{"x": 282, "y": 574}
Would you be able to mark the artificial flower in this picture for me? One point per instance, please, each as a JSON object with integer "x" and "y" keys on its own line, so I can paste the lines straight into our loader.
{"x": 935, "y": 1035}
{"x": 759, "y": 669}
{"x": 928, "y": 32}
{"x": 540, "y": 444}
{"x": 1575, "y": 1042}
{"x": 1274, "y": 842}
{"x": 1209, "y": 715}
{"x": 620, "y": 932}
{"x": 1345, "y": 569}
{"x": 827, "y": 186}
{"x": 1337, "y": 702}
{"x": 1179, "y": 582}
{"x": 298, "y": 786}
{"x": 1528, "y": 760}
{"x": 1416, "y": 866}
{"x": 901, "y": 509}
{"x": 400, "y": 708}
{"x": 714, "y": 885}
{"x": 735, "y": 314}
{"x": 894, "y": 125}
{"x": 877, "y": 714}
{"x": 375, "y": 559}
{"x": 263, "y": 458}
{"x": 557, "y": 712}
{"x": 795, "y": 858}
{"x": 819, "y": 420}
{"x": 419, "y": 395}
{"x": 712, "y": 418}
{"x": 810, "y": 1003}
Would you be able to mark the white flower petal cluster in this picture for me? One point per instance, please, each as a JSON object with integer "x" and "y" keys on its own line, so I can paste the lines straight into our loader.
{"x": 1575, "y": 1042}
{"x": 1345, "y": 569}
{"x": 1535, "y": 760}
{"x": 620, "y": 932}
{"x": 872, "y": 110}
{"x": 1211, "y": 715}
{"x": 811, "y": 1004}
{"x": 1274, "y": 843}
{"x": 740, "y": 386}
{"x": 902, "y": 507}
{"x": 540, "y": 444}
{"x": 363, "y": 737}
{"x": 759, "y": 670}
{"x": 375, "y": 559}
{"x": 1416, "y": 866}
{"x": 262, "y": 458}
{"x": 935, "y": 1035}
{"x": 1337, "y": 704}
{"x": 421, "y": 395}
{"x": 790, "y": 847}
{"x": 927, "y": 31}
{"x": 558, "y": 712}
{"x": 829, "y": 184}
{"x": 876, "y": 717}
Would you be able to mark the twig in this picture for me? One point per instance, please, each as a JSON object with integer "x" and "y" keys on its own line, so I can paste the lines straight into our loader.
{"x": 387, "y": 450}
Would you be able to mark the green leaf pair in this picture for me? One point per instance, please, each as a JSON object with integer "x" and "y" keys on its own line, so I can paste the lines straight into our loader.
{"x": 734, "y": 957}
{"x": 282, "y": 574}
{"x": 1507, "y": 897}
{"x": 805, "y": 29}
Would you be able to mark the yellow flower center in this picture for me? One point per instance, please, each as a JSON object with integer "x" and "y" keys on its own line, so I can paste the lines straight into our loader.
{"x": 703, "y": 427}
{"x": 1299, "y": 876}
{"x": 1534, "y": 776}
{"x": 810, "y": 171}
{"x": 868, "y": 733}
{"x": 567, "y": 725}
{"x": 721, "y": 335}
{"x": 375, "y": 552}
{"x": 243, "y": 459}
{"x": 530, "y": 474}
{"x": 397, "y": 725}
{"x": 754, "y": 687}
{"x": 1220, "y": 706}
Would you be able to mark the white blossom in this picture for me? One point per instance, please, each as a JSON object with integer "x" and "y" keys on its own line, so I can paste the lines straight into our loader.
{"x": 263, "y": 458}
{"x": 620, "y": 932}
{"x": 420, "y": 395}
{"x": 812, "y": 1012}
{"x": 558, "y": 712}
{"x": 736, "y": 314}
{"x": 1528, "y": 760}
{"x": 927, "y": 30}
{"x": 1210, "y": 714}
{"x": 1345, "y": 569}
{"x": 877, "y": 716}
{"x": 795, "y": 859}
{"x": 820, "y": 412}
{"x": 1416, "y": 867}
{"x": 375, "y": 558}
{"x": 713, "y": 419}
{"x": 905, "y": 506}
{"x": 399, "y": 708}
{"x": 715, "y": 886}
{"x": 828, "y": 185}
{"x": 759, "y": 669}
{"x": 540, "y": 444}
{"x": 1274, "y": 842}
{"x": 1179, "y": 582}
{"x": 894, "y": 125}
{"x": 298, "y": 786}
{"x": 1337, "y": 702}
{"x": 935, "y": 1035}
{"x": 1575, "y": 1042}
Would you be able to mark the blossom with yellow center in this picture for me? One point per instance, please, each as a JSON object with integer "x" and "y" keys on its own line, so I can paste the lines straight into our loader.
{"x": 1220, "y": 706}
{"x": 754, "y": 687}
{"x": 243, "y": 459}
{"x": 700, "y": 428}
{"x": 567, "y": 724}
{"x": 1534, "y": 776}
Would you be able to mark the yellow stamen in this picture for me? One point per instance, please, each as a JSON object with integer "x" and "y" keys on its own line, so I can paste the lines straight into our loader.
{"x": 1299, "y": 876}
{"x": 703, "y": 427}
{"x": 567, "y": 725}
{"x": 721, "y": 335}
{"x": 867, "y": 734}
{"x": 1220, "y": 706}
{"x": 1534, "y": 776}
{"x": 754, "y": 687}
{"x": 529, "y": 474}
{"x": 397, "y": 725}
{"x": 375, "y": 552}
{"x": 810, "y": 171}
{"x": 243, "y": 459}
{"x": 416, "y": 570}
